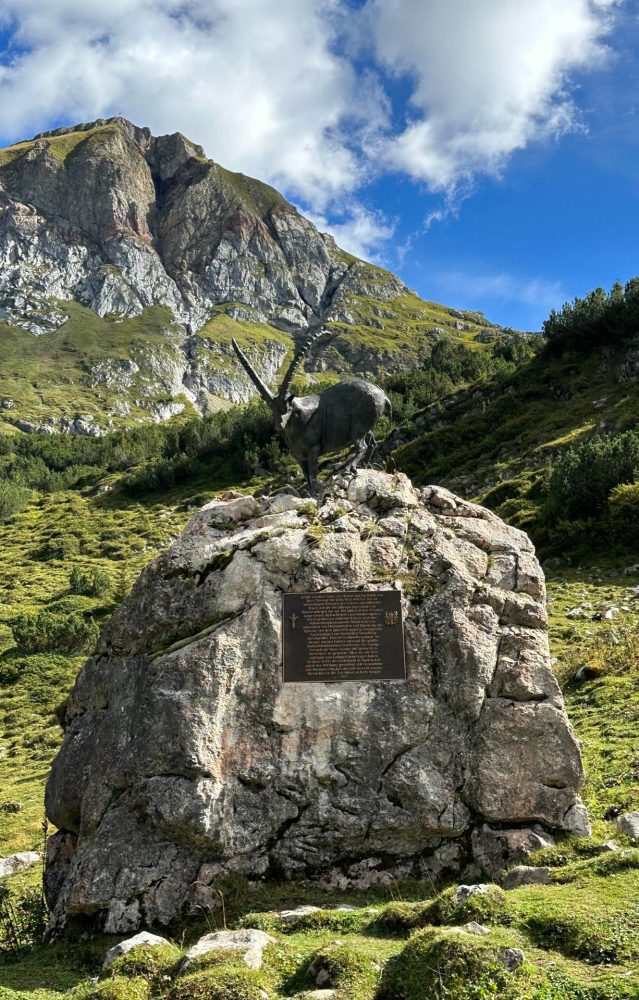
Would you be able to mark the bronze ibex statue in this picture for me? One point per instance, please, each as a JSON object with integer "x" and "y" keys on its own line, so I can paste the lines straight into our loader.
{"x": 328, "y": 421}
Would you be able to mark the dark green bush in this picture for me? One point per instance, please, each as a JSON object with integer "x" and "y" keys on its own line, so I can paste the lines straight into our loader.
{"x": 47, "y": 631}
{"x": 583, "y": 476}
{"x": 600, "y": 317}
{"x": 13, "y": 499}
{"x": 90, "y": 582}
{"x": 61, "y": 547}
{"x": 23, "y": 919}
{"x": 623, "y": 505}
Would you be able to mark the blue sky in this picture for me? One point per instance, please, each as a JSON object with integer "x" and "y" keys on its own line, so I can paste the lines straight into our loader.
{"x": 486, "y": 150}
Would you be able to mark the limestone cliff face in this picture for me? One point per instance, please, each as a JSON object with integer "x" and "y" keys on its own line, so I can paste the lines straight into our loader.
{"x": 186, "y": 759}
{"x": 119, "y": 220}
{"x": 110, "y": 218}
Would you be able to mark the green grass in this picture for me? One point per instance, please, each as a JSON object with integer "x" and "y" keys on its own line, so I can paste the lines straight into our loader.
{"x": 60, "y": 146}
{"x": 493, "y": 442}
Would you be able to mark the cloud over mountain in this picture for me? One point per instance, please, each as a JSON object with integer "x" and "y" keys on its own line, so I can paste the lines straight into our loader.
{"x": 316, "y": 96}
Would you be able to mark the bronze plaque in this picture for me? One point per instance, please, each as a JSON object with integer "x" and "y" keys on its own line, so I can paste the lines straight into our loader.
{"x": 355, "y": 635}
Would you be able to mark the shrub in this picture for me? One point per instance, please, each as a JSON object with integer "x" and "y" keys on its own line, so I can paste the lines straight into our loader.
{"x": 582, "y": 477}
{"x": 623, "y": 505}
{"x": 13, "y": 499}
{"x": 90, "y": 582}
{"x": 22, "y": 919}
{"x": 47, "y": 631}
{"x": 218, "y": 982}
{"x": 600, "y": 317}
{"x": 62, "y": 547}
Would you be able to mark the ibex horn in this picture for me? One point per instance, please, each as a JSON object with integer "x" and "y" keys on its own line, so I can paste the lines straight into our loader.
{"x": 297, "y": 360}
{"x": 263, "y": 390}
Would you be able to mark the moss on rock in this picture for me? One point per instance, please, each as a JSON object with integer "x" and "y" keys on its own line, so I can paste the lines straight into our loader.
{"x": 452, "y": 963}
{"x": 218, "y": 982}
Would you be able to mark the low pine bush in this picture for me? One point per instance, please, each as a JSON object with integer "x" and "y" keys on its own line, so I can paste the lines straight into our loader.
{"x": 89, "y": 582}
{"x": 47, "y": 631}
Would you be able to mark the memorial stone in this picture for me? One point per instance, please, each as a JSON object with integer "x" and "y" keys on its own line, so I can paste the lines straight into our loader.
{"x": 347, "y": 694}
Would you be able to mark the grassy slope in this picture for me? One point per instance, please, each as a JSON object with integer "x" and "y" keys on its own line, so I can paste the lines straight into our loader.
{"x": 50, "y": 375}
{"x": 494, "y": 442}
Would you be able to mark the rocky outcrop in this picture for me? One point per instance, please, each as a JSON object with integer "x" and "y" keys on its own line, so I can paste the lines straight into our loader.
{"x": 186, "y": 759}
{"x": 124, "y": 223}
{"x": 119, "y": 220}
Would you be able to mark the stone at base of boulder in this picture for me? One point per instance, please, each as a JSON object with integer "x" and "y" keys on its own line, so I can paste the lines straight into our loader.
{"x": 495, "y": 850}
{"x": 576, "y": 821}
{"x": 249, "y": 941}
{"x": 526, "y": 875}
{"x": 628, "y": 823}
{"x": 142, "y": 940}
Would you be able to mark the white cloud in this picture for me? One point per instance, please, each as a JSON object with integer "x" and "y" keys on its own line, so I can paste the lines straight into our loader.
{"x": 298, "y": 92}
{"x": 359, "y": 230}
{"x": 489, "y": 77}
{"x": 256, "y": 82}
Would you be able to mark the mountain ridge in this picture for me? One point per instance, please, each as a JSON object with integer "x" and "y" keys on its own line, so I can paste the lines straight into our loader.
{"x": 102, "y": 223}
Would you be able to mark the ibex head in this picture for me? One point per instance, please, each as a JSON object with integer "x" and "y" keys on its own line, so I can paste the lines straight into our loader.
{"x": 282, "y": 404}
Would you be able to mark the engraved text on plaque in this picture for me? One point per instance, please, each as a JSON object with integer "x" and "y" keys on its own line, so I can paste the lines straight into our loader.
{"x": 348, "y": 636}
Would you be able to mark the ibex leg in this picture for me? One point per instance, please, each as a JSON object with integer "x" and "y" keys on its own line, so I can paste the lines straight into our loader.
{"x": 362, "y": 448}
{"x": 370, "y": 450}
{"x": 312, "y": 463}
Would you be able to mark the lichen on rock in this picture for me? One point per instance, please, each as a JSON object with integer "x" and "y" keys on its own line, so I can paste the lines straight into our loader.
{"x": 187, "y": 760}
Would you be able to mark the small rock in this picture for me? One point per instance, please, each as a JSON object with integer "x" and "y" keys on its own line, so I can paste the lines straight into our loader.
{"x": 632, "y": 570}
{"x": 249, "y": 941}
{"x": 610, "y": 613}
{"x": 576, "y": 821}
{"x": 142, "y": 940}
{"x": 609, "y": 847}
{"x": 575, "y": 613}
{"x": 474, "y": 928}
{"x": 628, "y": 823}
{"x": 527, "y": 875}
{"x": 18, "y": 862}
{"x": 299, "y": 911}
{"x": 511, "y": 958}
{"x": 319, "y": 994}
{"x": 465, "y": 891}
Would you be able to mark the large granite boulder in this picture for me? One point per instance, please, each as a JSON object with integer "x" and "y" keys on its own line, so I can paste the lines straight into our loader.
{"x": 186, "y": 759}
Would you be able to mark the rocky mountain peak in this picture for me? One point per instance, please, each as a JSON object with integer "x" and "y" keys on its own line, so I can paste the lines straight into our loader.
{"x": 106, "y": 217}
